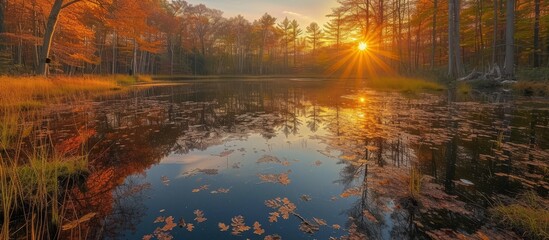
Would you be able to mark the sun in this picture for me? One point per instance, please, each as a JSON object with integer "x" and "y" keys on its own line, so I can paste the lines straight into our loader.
{"x": 362, "y": 46}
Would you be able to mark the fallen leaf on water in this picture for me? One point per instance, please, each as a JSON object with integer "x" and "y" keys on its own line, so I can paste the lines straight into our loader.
{"x": 223, "y": 227}
{"x": 147, "y": 237}
{"x": 77, "y": 222}
{"x": 272, "y": 237}
{"x": 199, "y": 216}
{"x": 320, "y": 222}
{"x": 190, "y": 227}
{"x": 238, "y": 225}
{"x": 159, "y": 219}
{"x": 257, "y": 229}
{"x": 273, "y": 217}
{"x": 336, "y": 226}
{"x": 355, "y": 191}
{"x": 169, "y": 224}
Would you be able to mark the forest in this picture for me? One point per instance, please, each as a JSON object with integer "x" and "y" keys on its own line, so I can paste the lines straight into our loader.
{"x": 374, "y": 119}
{"x": 161, "y": 37}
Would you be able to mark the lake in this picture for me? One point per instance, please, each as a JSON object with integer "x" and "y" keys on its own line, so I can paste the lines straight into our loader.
{"x": 299, "y": 159}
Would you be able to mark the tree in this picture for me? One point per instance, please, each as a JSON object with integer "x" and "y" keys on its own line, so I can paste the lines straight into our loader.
{"x": 455, "y": 63}
{"x": 285, "y": 29}
{"x": 266, "y": 23}
{"x": 536, "y": 34}
{"x": 56, "y": 8}
{"x": 509, "y": 67}
{"x": 314, "y": 35}
{"x": 434, "y": 34}
{"x": 296, "y": 32}
{"x": 334, "y": 28}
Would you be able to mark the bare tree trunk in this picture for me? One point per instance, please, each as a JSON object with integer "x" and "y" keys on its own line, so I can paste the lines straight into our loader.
{"x": 434, "y": 34}
{"x": 48, "y": 36}
{"x": 536, "y": 34}
{"x": 495, "y": 40}
{"x": 2, "y": 9}
{"x": 455, "y": 63}
{"x": 509, "y": 67}
{"x": 114, "y": 44}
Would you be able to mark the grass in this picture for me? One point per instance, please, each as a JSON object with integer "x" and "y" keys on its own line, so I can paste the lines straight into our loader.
{"x": 33, "y": 174}
{"x": 529, "y": 215}
{"x": 404, "y": 84}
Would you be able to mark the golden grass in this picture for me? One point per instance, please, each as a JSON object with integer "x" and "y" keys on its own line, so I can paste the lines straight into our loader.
{"x": 34, "y": 92}
{"x": 529, "y": 215}
{"x": 30, "y": 186}
{"x": 404, "y": 84}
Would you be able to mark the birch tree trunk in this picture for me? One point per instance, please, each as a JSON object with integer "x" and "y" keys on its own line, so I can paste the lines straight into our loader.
{"x": 509, "y": 67}
{"x": 48, "y": 36}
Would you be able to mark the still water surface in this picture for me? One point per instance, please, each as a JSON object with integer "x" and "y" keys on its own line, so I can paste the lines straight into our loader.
{"x": 337, "y": 155}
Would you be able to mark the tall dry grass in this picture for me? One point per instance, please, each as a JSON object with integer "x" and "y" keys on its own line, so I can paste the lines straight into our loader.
{"x": 33, "y": 175}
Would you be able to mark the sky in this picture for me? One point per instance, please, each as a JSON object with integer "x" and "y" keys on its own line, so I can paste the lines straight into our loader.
{"x": 304, "y": 11}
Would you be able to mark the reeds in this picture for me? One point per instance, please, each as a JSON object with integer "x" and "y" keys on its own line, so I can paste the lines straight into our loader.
{"x": 33, "y": 175}
{"x": 529, "y": 215}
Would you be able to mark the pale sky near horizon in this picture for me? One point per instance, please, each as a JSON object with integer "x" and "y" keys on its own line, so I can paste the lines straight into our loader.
{"x": 304, "y": 11}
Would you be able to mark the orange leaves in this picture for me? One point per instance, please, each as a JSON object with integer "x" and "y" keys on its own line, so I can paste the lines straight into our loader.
{"x": 356, "y": 191}
{"x": 273, "y": 217}
{"x": 257, "y": 228}
{"x": 223, "y": 227}
{"x": 282, "y": 178}
{"x": 284, "y": 207}
{"x": 199, "y": 216}
{"x": 190, "y": 227}
{"x": 169, "y": 224}
{"x": 238, "y": 225}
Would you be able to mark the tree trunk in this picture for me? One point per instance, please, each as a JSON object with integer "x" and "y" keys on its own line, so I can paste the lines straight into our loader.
{"x": 536, "y": 34}
{"x": 434, "y": 34}
{"x": 48, "y": 36}
{"x": 2, "y": 9}
{"x": 509, "y": 67}
{"x": 455, "y": 63}
{"x": 495, "y": 40}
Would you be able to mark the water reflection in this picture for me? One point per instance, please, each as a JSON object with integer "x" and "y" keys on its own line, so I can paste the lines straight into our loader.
{"x": 354, "y": 151}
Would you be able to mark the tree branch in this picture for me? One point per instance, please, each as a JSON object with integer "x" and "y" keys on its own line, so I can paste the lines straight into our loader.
{"x": 70, "y": 3}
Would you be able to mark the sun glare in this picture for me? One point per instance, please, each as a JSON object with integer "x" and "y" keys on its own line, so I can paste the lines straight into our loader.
{"x": 362, "y": 46}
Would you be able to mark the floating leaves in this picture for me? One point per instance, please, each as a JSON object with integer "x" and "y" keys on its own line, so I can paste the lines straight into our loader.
{"x": 190, "y": 227}
{"x": 320, "y": 222}
{"x": 169, "y": 224}
{"x": 223, "y": 227}
{"x": 199, "y": 216}
{"x": 201, "y": 188}
{"x": 282, "y": 205}
{"x": 281, "y": 178}
{"x": 257, "y": 229}
{"x": 355, "y": 191}
{"x": 272, "y": 237}
{"x": 336, "y": 227}
{"x": 307, "y": 227}
{"x": 221, "y": 190}
{"x": 77, "y": 222}
{"x": 273, "y": 217}
{"x": 238, "y": 225}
